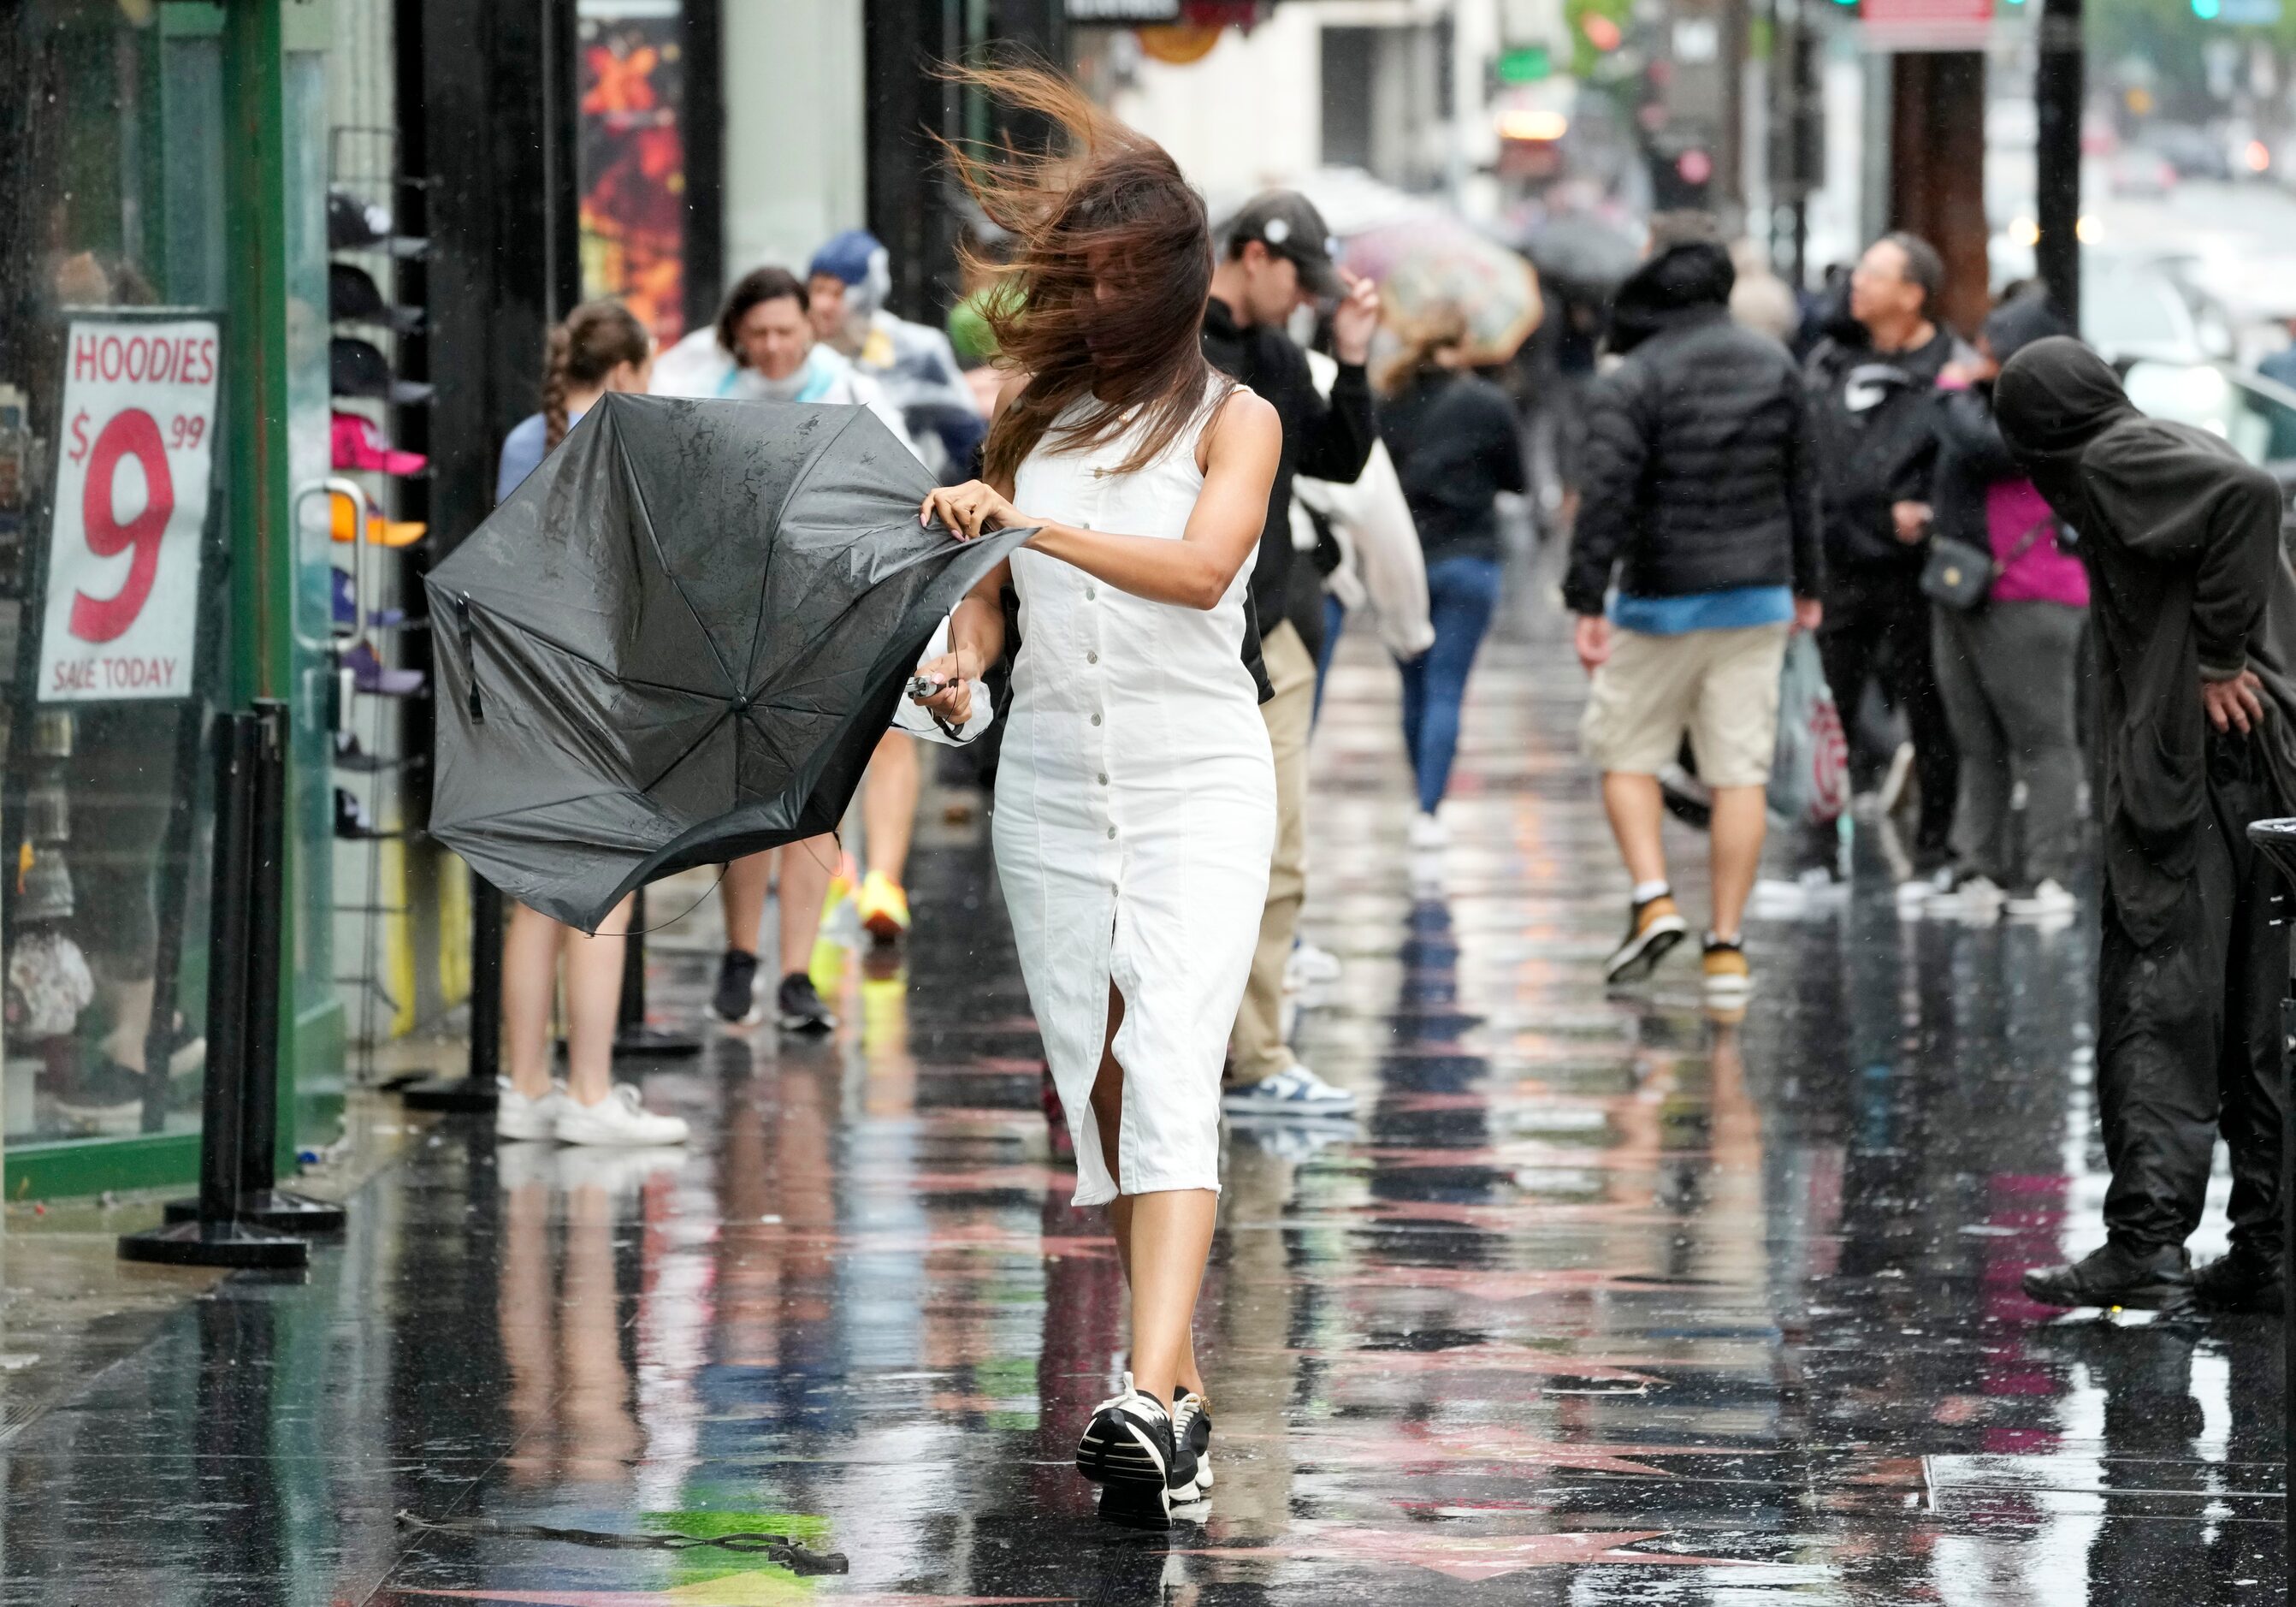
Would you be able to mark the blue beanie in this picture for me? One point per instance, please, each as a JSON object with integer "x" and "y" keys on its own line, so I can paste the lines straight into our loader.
{"x": 846, "y": 257}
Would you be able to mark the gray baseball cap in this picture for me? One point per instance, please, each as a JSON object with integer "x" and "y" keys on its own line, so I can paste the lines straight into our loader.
{"x": 1288, "y": 224}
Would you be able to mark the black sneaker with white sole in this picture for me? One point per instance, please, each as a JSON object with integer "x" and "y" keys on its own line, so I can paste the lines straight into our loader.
{"x": 735, "y": 1000}
{"x": 797, "y": 1006}
{"x": 1191, "y": 1426}
{"x": 1129, "y": 1450}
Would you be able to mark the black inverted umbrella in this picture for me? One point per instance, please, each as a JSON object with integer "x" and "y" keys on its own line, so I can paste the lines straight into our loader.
{"x": 678, "y": 642}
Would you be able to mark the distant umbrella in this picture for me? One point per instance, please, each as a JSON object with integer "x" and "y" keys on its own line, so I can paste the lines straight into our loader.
{"x": 1433, "y": 261}
{"x": 1585, "y": 252}
{"x": 679, "y": 641}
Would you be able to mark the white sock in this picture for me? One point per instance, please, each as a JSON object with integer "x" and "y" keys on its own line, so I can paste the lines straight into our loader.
{"x": 1734, "y": 940}
{"x": 1646, "y": 891}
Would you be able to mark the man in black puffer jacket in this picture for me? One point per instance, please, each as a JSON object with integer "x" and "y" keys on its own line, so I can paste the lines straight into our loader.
{"x": 1698, "y": 487}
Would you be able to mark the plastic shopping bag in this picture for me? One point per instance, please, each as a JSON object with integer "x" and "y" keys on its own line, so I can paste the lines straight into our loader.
{"x": 1810, "y": 775}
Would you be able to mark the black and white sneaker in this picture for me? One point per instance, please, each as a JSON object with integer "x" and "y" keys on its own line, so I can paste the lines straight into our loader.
{"x": 735, "y": 1001}
{"x": 798, "y": 1007}
{"x": 1191, "y": 1426}
{"x": 1129, "y": 1451}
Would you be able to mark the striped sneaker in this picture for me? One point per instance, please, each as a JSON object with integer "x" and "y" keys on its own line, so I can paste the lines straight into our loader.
{"x": 1191, "y": 1426}
{"x": 1728, "y": 976}
{"x": 1654, "y": 927}
{"x": 1128, "y": 1450}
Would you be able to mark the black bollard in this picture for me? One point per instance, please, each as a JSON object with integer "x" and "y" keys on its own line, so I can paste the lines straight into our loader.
{"x": 633, "y": 1038}
{"x": 478, "y": 1091}
{"x": 260, "y": 1200}
{"x": 2276, "y": 841}
{"x": 217, "y": 1236}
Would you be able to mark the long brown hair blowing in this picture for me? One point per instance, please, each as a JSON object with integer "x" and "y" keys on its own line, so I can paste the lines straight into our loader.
{"x": 596, "y": 338}
{"x": 1102, "y": 303}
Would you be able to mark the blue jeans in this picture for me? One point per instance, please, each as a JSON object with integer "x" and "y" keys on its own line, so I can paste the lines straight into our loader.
{"x": 1335, "y": 619}
{"x": 1460, "y": 593}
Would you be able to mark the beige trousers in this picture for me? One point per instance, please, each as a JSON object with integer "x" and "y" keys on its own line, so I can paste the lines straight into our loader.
{"x": 1260, "y": 1051}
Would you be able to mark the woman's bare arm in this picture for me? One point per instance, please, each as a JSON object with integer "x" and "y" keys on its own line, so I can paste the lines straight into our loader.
{"x": 1243, "y": 443}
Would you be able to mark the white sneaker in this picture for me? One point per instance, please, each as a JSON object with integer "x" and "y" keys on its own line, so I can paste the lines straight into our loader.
{"x": 2047, "y": 901}
{"x": 1976, "y": 902}
{"x": 617, "y": 1119}
{"x": 1310, "y": 966}
{"x": 1428, "y": 831}
{"x": 1295, "y": 1091}
{"x": 618, "y": 1172}
{"x": 517, "y": 1117}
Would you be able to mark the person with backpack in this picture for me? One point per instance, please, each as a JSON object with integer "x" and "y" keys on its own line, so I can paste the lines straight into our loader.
{"x": 2009, "y": 603}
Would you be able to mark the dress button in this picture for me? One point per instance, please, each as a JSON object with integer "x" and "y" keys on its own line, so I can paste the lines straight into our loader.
{"x": 1089, "y": 594}
{"x": 1104, "y": 778}
{"x": 1112, "y": 832}
{"x": 1092, "y": 658}
{"x": 1095, "y": 720}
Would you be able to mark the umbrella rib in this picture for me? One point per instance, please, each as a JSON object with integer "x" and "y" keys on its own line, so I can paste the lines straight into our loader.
{"x": 645, "y": 510}
{"x": 765, "y": 579}
{"x": 662, "y": 775}
{"x": 578, "y": 656}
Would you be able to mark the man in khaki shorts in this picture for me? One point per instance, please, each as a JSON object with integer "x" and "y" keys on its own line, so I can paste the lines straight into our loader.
{"x": 1698, "y": 491}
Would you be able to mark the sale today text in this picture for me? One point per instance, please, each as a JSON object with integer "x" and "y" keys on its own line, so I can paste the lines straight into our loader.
{"x": 126, "y": 675}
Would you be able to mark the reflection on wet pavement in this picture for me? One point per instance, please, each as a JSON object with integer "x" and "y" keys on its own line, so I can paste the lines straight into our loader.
{"x": 1599, "y": 1301}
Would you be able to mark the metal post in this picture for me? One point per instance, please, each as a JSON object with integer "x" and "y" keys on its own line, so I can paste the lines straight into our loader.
{"x": 633, "y": 1038}
{"x": 259, "y": 1200}
{"x": 215, "y": 1235}
{"x": 2058, "y": 85}
{"x": 485, "y": 981}
{"x": 477, "y": 1092}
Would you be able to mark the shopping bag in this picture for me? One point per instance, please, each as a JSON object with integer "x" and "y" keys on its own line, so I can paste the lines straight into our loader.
{"x": 1810, "y": 775}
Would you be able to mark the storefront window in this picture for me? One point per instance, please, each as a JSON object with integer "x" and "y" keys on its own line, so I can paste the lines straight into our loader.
{"x": 114, "y": 635}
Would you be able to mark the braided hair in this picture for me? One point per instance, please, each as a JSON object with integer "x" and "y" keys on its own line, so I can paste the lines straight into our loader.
{"x": 596, "y": 338}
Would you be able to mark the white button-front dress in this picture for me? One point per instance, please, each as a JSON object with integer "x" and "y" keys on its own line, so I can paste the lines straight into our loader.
{"x": 1136, "y": 815}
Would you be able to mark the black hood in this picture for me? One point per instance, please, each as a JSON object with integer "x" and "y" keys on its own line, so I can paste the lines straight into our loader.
{"x": 2020, "y": 321}
{"x": 2052, "y": 400}
{"x": 1682, "y": 282}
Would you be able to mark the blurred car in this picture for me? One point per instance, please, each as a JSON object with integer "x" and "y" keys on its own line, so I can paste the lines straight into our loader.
{"x": 2132, "y": 170}
{"x": 2151, "y": 309}
{"x": 2191, "y": 152}
{"x": 2256, "y": 415}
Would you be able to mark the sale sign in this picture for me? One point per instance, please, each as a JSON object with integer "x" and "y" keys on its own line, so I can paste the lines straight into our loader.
{"x": 135, "y": 466}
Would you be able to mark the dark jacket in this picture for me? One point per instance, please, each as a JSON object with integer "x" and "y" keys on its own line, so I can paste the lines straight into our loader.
{"x": 1971, "y": 457}
{"x": 2188, "y": 582}
{"x": 1696, "y": 475}
{"x": 1324, "y": 441}
{"x": 1873, "y": 432}
{"x": 1456, "y": 447}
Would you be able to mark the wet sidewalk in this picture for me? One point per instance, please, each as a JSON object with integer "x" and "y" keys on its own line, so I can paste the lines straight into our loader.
{"x": 1602, "y": 1299}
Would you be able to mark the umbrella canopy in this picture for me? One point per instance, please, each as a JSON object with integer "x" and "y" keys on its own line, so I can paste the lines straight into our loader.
{"x": 1585, "y": 252}
{"x": 678, "y": 642}
{"x": 1432, "y": 262}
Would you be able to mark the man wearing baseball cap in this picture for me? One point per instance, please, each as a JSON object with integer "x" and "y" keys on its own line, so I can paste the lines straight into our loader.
{"x": 1278, "y": 257}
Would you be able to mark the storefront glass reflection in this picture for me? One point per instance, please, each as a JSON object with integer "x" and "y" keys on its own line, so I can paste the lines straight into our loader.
{"x": 113, "y": 635}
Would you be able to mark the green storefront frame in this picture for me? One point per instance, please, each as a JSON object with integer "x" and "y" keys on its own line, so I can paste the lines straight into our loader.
{"x": 273, "y": 78}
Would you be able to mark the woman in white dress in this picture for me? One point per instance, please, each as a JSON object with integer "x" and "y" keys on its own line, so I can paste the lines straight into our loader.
{"x": 1136, "y": 796}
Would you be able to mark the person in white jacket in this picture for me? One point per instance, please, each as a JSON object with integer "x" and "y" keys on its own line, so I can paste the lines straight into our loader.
{"x": 1381, "y": 574}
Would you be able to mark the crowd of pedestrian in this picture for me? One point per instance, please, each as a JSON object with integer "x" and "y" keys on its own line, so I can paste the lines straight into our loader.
{"x": 1951, "y": 525}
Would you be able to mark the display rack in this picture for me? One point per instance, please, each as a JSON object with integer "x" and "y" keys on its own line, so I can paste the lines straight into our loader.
{"x": 374, "y": 310}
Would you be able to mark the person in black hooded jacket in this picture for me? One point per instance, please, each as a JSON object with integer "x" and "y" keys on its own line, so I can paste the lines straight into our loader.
{"x": 2194, "y": 608}
{"x": 1700, "y": 491}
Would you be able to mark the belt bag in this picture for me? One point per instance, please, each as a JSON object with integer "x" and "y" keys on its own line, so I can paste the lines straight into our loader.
{"x": 1959, "y": 576}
